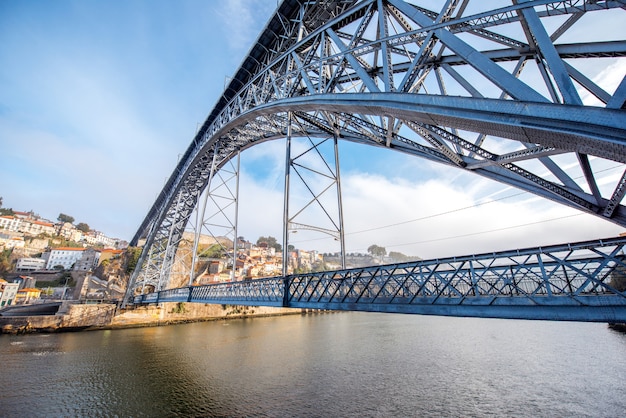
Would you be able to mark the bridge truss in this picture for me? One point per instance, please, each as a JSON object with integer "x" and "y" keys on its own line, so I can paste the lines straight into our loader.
{"x": 508, "y": 91}
{"x": 572, "y": 282}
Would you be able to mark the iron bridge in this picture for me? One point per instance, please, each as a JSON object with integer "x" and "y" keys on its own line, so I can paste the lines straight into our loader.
{"x": 517, "y": 92}
{"x": 572, "y": 282}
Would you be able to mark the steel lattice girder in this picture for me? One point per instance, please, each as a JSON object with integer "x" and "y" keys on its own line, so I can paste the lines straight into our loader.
{"x": 562, "y": 282}
{"x": 396, "y": 74}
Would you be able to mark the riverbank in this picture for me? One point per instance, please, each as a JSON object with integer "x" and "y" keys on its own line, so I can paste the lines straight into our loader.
{"x": 83, "y": 317}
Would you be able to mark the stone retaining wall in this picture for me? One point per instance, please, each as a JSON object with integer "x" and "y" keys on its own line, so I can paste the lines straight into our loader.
{"x": 73, "y": 317}
{"x": 172, "y": 312}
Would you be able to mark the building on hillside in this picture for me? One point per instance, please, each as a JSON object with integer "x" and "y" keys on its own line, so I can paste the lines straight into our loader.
{"x": 15, "y": 242}
{"x": 36, "y": 227}
{"x": 121, "y": 244}
{"x": 104, "y": 240}
{"x": 223, "y": 277}
{"x": 255, "y": 252}
{"x": 242, "y": 244}
{"x": 8, "y": 293}
{"x": 241, "y": 267}
{"x": 270, "y": 267}
{"x": 27, "y": 295}
{"x": 30, "y": 264}
{"x": 10, "y": 223}
{"x": 88, "y": 261}
{"x": 216, "y": 266}
{"x": 89, "y": 238}
{"x": 24, "y": 215}
{"x": 64, "y": 256}
{"x": 25, "y": 281}
{"x": 68, "y": 231}
{"x": 94, "y": 237}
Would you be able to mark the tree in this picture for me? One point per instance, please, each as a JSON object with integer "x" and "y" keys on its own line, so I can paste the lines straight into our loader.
{"x": 271, "y": 242}
{"x": 83, "y": 227}
{"x": 398, "y": 257}
{"x": 132, "y": 258}
{"x": 65, "y": 218}
{"x": 212, "y": 251}
{"x": 377, "y": 251}
{"x": 5, "y": 262}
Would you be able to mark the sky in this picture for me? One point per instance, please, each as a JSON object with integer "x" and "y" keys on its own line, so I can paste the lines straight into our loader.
{"x": 98, "y": 100}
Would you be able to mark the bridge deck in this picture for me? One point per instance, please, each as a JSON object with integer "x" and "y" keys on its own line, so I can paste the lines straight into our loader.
{"x": 574, "y": 282}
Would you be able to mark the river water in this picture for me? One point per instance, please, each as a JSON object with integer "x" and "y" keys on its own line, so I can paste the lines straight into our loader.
{"x": 320, "y": 365}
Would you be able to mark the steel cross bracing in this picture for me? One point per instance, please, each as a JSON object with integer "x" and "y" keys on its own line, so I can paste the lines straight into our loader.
{"x": 576, "y": 282}
{"x": 315, "y": 167}
{"x": 509, "y": 91}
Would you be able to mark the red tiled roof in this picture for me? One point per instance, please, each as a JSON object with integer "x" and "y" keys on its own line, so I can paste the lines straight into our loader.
{"x": 42, "y": 223}
{"x": 110, "y": 250}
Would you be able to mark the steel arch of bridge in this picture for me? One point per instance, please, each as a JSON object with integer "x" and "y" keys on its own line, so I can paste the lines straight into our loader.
{"x": 497, "y": 92}
{"x": 571, "y": 282}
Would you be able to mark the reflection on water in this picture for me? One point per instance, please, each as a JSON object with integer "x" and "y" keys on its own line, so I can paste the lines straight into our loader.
{"x": 345, "y": 364}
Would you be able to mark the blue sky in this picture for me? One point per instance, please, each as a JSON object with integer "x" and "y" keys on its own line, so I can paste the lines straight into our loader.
{"x": 98, "y": 100}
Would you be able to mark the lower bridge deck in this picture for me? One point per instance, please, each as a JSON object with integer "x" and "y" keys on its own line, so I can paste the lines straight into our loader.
{"x": 573, "y": 282}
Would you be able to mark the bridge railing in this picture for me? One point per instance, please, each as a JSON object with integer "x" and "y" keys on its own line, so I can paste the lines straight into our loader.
{"x": 266, "y": 292}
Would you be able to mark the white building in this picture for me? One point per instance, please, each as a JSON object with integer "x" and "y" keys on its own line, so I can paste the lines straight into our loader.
{"x": 37, "y": 227}
{"x": 94, "y": 237}
{"x": 14, "y": 242}
{"x": 103, "y": 239}
{"x": 10, "y": 223}
{"x": 8, "y": 293}
{"x": 30, "y": 264}
{"x": 64, "y": 256}
{"x": 89, "y": 238}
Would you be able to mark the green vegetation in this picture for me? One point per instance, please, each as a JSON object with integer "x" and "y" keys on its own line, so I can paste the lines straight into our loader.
{"x": 398, "y": 257}
{"x": 65, "y": 218}
{"x": 61, "y": 241}
{"x": 377, "y": 251}
{"x": 271, "y": 242}
{"x": 63, "y": 279}
{"x": 179, "y": 308}
{"x": 132, "y": 254}
{"x": 211, "y": 251}
{"x": 83, "y": 227}
{"x": 5, "y": 262}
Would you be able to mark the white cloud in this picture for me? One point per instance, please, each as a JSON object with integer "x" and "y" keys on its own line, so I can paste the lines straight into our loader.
{"x": 450, "y": 213}
{"x": 608, "y": 79}
{"x": 243, "y": 20}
